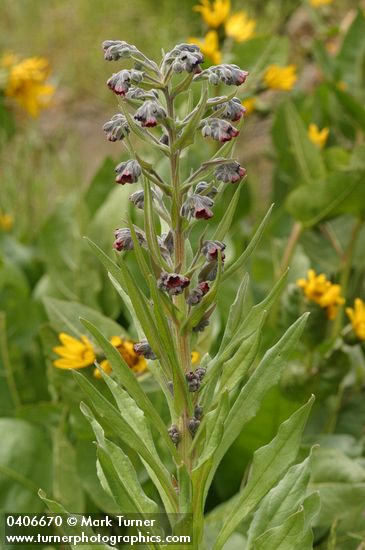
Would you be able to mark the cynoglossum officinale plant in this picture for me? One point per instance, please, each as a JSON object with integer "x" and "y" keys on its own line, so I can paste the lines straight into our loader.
{"x": 170, "y": 108}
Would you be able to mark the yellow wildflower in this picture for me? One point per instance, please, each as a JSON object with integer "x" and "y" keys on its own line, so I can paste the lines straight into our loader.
{"x": 319, "y": 3}
{"x": 240, "y": 27}
{"x": 209, "y": 46}
{"x": 74, "y": 353}
{"x": 317, "y": 136}
{"x": 27, "y": 84}
{"x": 195, "y": 356}
{"x": 249, "y": 104}
{"x": 6, "y": 222}
{"x": 357, "y": 318}
{"x": 280, "y": 78}
{"x": 214, "y": 13}
{"x": 137, "y": 363}
{"x": 318, "y": 289}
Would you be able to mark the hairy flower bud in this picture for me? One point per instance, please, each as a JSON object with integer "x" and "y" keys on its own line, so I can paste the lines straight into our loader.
{"x": 118, "y": 49}
{"x": 116, "y": 128}
{"x": 233, "y": 109}
{"x": 168, "y": 241}
{"x": 124, "y": 241}
{"x": 139, "y": 94}
{"x": 120, "y": 82}
{"x": 210, "y": 250}
{"x": 193, "y": 426}
{"x": 143, "y": 348}
{"x": 202, "y": 187}
{"x": 231, "y": 172}
{"x": 128, "y": 172}
{"x": 231, "y": 75}
{"x": 173, "y": 283}
{"x": 150, "y": 113}
{"x": 197, "y": 293}
{"x": 137, "y": 199}
{"x": 203, "y": 323}
{"x": 185, "y": 57}
{"x": 218, "y": 129}
{"x": 198, "y": 207}
{"x": 193, "y": 381}
{"x": 198, "y": 412}
{"x": 200, "y": 373}
{"x": 174, "y": 434}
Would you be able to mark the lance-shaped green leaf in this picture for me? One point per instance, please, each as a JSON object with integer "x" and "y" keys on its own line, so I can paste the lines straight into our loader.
{"x": 150, "y": 228}
{"x": 70, "y": 530}
{"x": 198, "y": 312}
{"x": 266, "y": 375}
{"x": 130, "y": 382}
{"x": 141, "y": 260}
{"x": 241, "y": 261}
{"x": 119, "y": 472}
{"x": 237, "y": 311}
{"x": 180, "y": 387}
{"x": 227, "y": 218}
{"x": 237, "y": 367}
{"x": 249, "y": 324}
{"x": 129, "y": 434}
{"x": 279, "y": 503}
{"x": 269, "y": 464}
{"x": 188, "y": 133}
{"x": 214, "y": 426}
{"x": 295, "y": 532}
{"x": 140, "y": 303}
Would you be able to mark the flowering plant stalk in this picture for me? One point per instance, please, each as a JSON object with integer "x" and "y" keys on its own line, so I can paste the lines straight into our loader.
{"x": 211, "y": 402}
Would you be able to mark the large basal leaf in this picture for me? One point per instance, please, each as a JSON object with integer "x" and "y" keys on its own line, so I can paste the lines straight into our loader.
{"x": 340, "y": 193}
{"x": 25, "y": 465}
{"x": 269, "y": 464}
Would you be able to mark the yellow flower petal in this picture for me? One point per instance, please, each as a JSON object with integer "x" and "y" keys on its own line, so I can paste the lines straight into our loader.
{"x": 317, "y": 136}
{"x": 357, "y": 318}
{"x": 240, "y": 27}
{"x": 280, "y": 78}
{"x": 214, "y": 13}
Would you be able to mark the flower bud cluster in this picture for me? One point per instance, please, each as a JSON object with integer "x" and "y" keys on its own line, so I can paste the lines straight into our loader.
{"x": 231, "y": 75}
{"x": 233, "y": 109}
{"x": 230, "y": 172}
{"x": 128, "y": 172}
{"x": 174, "y": 434}
{"x": 172, "y": 283}
{"x": 116, "y": 128}
{"x": 185, "y": 57}
{"x": 197, "y": 293}
{"x": 143, "y": 348}
{"x": 194, "y": 378}
{"x": 219, "y": 130}
{"x": 150, "y": 113}
{"x": 118, "y": 49}
{"x": 120, "y": 82}
{"x": 198, "y": 207}
{"x": 124, "y": 241}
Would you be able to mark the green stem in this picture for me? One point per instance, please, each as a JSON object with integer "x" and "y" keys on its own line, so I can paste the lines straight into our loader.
{"x": 294, "y": 237}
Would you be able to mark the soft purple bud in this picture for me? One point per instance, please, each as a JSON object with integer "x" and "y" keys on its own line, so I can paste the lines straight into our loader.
{"x": 193, "y": 381}
{"x": 193, "y": 426}
{"x": 201, "y": 325}
{"x": 143, "y": 348}
{"x": 233, "y": 109}
{"x": 120, "y": 82}
{"x": 168, "y": 241}
{"x": 124, "y": 241}
{"x": 141, "y": 95}
{"x": 137, "y": 199}
{"x": 231, "y": 172}
{"x": 173, "y": 283}
{"x": 116, "y": 128}
{"x": 210, "y": 250}
{"x": 150, "y": 113}
{"x": 198, "y": 207}
{"x": 128, "y": 172}
{"x": 198, "y": 412}
{"x": 231, "y": 75}
{"x": 174, "y": 434}
{"x": 202, "y": 187}
{"x": 200, "y": 373}
{"x": 118, "y": 49}
{"x": 218, "y": 129}
{"x": 185, "y": 57}
{"x": 197, "y": 293}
